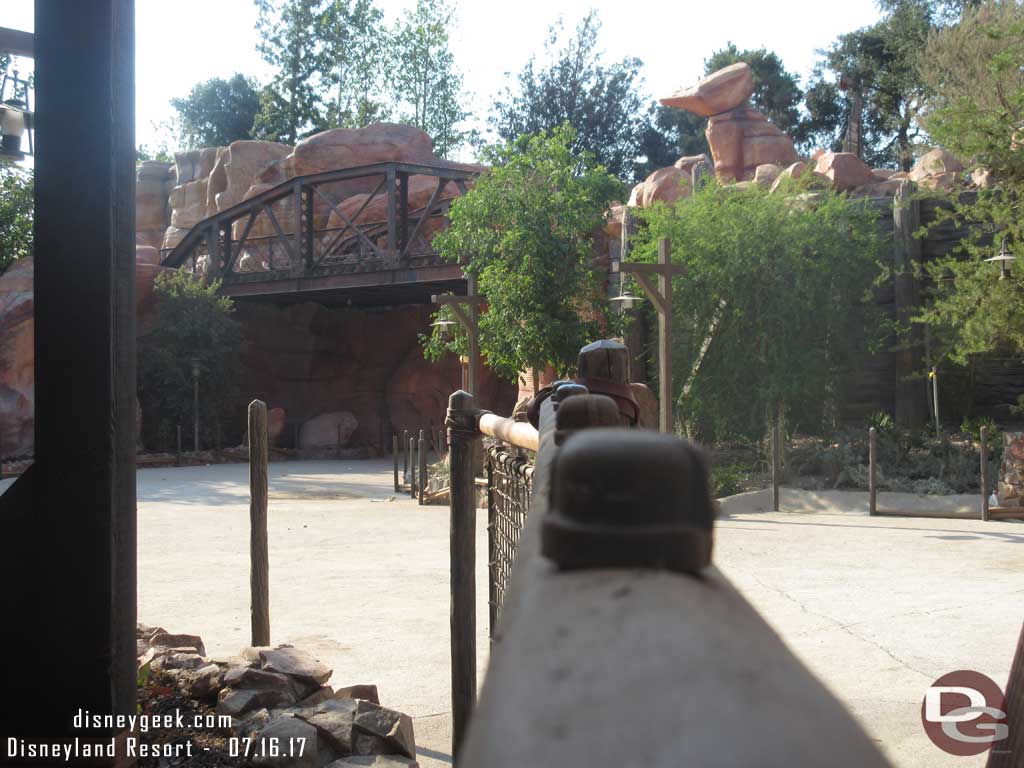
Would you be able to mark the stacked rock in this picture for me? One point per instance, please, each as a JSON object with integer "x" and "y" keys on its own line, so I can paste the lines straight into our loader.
{"x": 280, "y": 693}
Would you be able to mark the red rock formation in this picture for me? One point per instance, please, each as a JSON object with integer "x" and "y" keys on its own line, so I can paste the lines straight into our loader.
{"x": 743, "y": 139}
{"x": 845, "y": 170}
{"x": 721, "y": 91}
{"x": 665, "y": 184}
{"x": 17, "y": 360}
{"x": 153, "y": 183}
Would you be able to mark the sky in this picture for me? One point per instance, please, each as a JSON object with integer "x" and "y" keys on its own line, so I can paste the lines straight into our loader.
{"x": 182, "y": 42}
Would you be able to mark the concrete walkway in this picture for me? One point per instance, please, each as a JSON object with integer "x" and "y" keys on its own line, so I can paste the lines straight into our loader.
{"x": 878, "y": 608}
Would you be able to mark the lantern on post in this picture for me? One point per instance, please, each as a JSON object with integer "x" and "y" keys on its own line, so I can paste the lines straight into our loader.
{"x": 1003, "y": 258}
{"x": 16, "y": 122}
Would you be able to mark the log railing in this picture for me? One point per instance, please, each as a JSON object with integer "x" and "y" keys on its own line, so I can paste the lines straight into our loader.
{"x": 618, "y": 642}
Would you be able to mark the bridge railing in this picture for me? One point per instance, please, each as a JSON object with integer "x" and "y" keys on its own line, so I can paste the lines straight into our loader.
{"x": 303, "y": 226}
{"x": 618, "y": 642}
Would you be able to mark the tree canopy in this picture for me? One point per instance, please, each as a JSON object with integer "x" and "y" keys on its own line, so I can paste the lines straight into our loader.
{"x": 218, "y": 111}
{"x": 192, "y": 325}
{"x": 574, "y": 85}
{"x": 770, "y": 311}
{"x": 976, "y": 109}
{"x": 16, "y": 207}
{"x": 526, "y": 231}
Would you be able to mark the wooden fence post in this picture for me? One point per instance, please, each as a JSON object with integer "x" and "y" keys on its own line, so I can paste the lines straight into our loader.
{"x": 776, "y": 462}
{"x": 984, "y": 473}
{"x": 872, "y": 471}
{"x": 412, "y": 467}
{"x": 405, "y": 455}
{"x": 423, "y": 468}
{"x": 178, "y": 457}
{"x": 394, "y": 453}
{"x": 259, "y": 574}
{"x": 462, "y": 439}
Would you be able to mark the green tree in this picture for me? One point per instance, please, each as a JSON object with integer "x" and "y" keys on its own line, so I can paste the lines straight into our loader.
{"x": 880, "y": 61}
{"x": 16, "y": 207}
{"x": 771, "y": 309}
{"x": 602, "y": 102}
{"x": 975, "y": 71}
{"x": 675, "y": 132}
{"x": 355, "y": 53}
{"x": 526, "y": 232}
{"x": 426, "y": 81}
{"x": 292, "y": 104}
{"x": 218, "y": 111}
{"x": 192, "y": 325}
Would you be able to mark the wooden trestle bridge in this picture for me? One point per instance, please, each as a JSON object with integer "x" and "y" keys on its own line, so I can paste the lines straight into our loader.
{"x": 351, "y": 235}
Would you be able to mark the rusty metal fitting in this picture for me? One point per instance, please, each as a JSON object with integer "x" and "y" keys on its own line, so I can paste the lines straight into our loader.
{"x": 583, "y": 412}
{"x": 629, "y": 499}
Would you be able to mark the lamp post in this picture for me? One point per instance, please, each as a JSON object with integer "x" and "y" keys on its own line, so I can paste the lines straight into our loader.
{"x": 464, "y": 309}
{"x": 195, "y": 403}
{"x": 1003, "y": 258}
{"x": 661, "y": 296}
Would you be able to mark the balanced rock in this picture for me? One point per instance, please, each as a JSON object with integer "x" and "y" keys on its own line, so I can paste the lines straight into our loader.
{"x": 845, "y": 170}
{"x": 719, "y": 92}
{"x": 937, "y": 161}
{"x": 743, "y": 139}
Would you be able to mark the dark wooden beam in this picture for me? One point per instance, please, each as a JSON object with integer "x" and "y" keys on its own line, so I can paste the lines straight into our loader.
{"x": 16, "y": 42}
{"x": 69, "y": 565}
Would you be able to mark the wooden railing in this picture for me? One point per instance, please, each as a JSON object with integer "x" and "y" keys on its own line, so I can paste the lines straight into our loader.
{"x": 618, "y": 642}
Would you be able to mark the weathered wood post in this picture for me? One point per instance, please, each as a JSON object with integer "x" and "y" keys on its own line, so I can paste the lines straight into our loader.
{"x": 872, "y": 471}
{"x": 776, "y": 442}
{"x": 984, "y": 472}
{"x": 462, "y": 439}
{"x": 177, "y": 459}
{"x": 423, "y": 468}
{"x": 394, "y": 453}
{"x": 665, "y": 423}
{"x": 259, "y": 574}
{"x": 412, "y": 467}
{"x": 337, "y": 442}
{"x": 405, "y": 455}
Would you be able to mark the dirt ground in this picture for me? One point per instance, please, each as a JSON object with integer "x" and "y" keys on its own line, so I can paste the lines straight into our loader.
{"x": 877, "y": 607}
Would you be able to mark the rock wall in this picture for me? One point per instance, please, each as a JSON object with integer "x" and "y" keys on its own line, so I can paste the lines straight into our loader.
{"x": 309, "y": 359}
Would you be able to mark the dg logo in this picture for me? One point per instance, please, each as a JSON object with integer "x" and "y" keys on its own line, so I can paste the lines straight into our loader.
{"x": 964, "y": 713}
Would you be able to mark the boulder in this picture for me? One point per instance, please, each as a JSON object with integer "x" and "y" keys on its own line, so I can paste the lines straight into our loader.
{"x": 1010, "y": 483}
{"x": 280, "y": 741}
{"x": 719, "y": 92}
{"x": 205, "y": 682}
{"x": 285, "y": 690}
{"x": 392, "y": 728}
{"x": 241, "y": 164}
{"x": 941, "y": 181}
{"x": 334, "y": 719}
{"x": 276, "y": 420}
{"x": 316, "y": 697}
{"x": 237, "y": 703}
{"x": 794, "y": 171}
{"x": 153, "y": 183}
{"x": 983, "y": 178}
{"x": 328, "y": 430}
{"x": 665, "y": 184}
{"x": 352, "y": 147}
{"x": 882, "y": 174}
{"x": 364, "y": 692}
{"x": 845, "y": 170}
{"x": 937, "y": 161}
{"x": 889, "y": 187}
{"x": 194, "y": 164}
{"x": 295, "y": 663}
{"x": 180, "y": 660}
{"x": 743, "y": 139}
{"x": 765, "y": 175}
{"x": 362, "y": 208}
{"x": 167, "y": 640}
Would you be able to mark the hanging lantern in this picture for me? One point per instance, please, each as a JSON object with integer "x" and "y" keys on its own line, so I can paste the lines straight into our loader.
{"x": 1003, "y": 258}
{"x": 444, "y": 328}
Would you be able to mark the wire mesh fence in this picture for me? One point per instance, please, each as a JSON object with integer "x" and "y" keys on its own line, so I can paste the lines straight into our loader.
{"x": 509, "y": 488}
